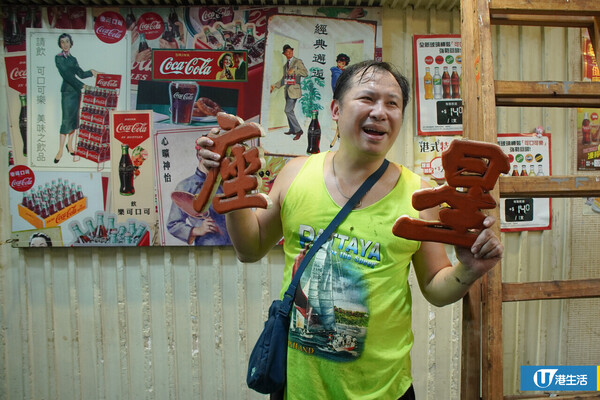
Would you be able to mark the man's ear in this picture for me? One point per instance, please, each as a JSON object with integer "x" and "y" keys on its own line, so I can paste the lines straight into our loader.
{"x": 335, "y": 110}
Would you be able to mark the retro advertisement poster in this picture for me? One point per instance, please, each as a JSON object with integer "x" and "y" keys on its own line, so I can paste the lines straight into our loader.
{"x": 428, "y": 157}
{"x": 300, "y": 71}
{"x": 529, "y": 155}
{"x": 438, "y": 82}
{"x": 16, "y": 95}
{"x": 62, "y": 68}
{"x": 132, "y": 178}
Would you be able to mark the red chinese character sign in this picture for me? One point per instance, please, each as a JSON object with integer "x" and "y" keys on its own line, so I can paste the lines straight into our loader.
{"x": 471, "y": 169}
{"x": 237, "y": 172}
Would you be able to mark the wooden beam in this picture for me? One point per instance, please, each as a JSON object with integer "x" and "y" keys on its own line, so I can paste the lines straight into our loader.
{"x": 471, "y": 344}
{"x": 565, "y": 21}
{"x": 569, "y": 289}
{"x": 542, "y": 89}
{"x": 548, "y": 7}
{"x": 547, "y": 94}
{"x": 550, "y": 186}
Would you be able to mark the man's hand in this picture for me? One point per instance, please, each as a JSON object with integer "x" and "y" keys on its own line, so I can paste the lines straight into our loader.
{"x": 207, "y": 157}
{"x": 484, "y": 254}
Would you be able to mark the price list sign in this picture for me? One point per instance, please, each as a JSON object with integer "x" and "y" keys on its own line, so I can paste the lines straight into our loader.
{"x": 529, "y": 155}
{"x": 438, "y": 84}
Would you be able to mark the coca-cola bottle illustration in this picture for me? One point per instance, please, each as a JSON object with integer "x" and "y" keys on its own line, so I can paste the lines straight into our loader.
{"x": 143, "y": 43}
{"x": 168, "y": 33}
{"x": 227, "y": 37}
{"x": 101, "y": 232}
{"x": 454, "y": 84}
{"x": 173, "y": 20}
{"x": 446, "y": 84}
{"x": 239, "y": 35}
{"x": 130, "y": 19}
{"x": 23, "y": 121}
{"x": 211, "y": 40}
{"x": 126, "y": 173}
{"x": 80, "y": 237}
{"x": 249, "y": 39}
{"x": 314, "y": 133}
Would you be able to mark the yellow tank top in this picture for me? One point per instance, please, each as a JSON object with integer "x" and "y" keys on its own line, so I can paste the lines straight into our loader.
{"x": 350, "y": 333}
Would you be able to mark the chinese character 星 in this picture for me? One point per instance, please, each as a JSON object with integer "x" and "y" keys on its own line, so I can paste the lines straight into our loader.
{"x": 466, "y": 168}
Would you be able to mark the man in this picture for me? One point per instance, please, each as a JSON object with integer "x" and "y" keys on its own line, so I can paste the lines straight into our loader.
{"x": 293, "y": 71}
{"x": 241, "y": 73}
{"x": 363, "y": 352}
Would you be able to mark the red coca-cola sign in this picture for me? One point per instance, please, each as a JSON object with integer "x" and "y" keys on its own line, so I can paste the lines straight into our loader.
{"x": 16, "y": 71}
{"x": 108, "y": 81}
{"x": 110, "y": 27}
{"x": 131, "y": 128}
{"x": 21, "y": 178}
{"x": 151, "y": 25}
{"x": 193, "y": 65}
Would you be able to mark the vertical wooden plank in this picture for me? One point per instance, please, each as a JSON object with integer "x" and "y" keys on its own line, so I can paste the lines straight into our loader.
{"x": 109, "y": 321}
{"x": 182, "y": 325}
{"x": 64, "y": 333}
{"x": 471, "y": 325}
{"x": 87, "y": 323}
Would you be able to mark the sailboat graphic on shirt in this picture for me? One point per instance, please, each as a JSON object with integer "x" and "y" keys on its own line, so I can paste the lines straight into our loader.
{"x": 330, "y": 315}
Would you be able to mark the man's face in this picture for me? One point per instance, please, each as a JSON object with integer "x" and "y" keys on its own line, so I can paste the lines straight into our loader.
{"x": 369, "y": 115}
{"x": 289, "y": 53}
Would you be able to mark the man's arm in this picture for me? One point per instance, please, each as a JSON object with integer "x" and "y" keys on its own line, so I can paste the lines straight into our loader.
{"x": 443, "y": 283}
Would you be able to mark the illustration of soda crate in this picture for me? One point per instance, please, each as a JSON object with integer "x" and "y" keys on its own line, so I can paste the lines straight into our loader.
{"x": 53, "y": 219}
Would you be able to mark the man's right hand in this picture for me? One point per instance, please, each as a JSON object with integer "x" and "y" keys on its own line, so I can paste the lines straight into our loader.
{"x": 208, "y": 158}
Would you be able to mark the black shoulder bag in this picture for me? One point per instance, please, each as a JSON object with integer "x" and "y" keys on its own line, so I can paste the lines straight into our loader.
{"x": 268, "y": 360}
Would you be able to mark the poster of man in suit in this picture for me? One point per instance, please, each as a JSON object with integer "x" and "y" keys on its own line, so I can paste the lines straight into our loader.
{"x": 299, "y": 53}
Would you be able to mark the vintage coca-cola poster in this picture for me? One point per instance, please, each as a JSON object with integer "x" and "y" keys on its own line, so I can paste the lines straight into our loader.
{"x": 63, "y": 69}
{"x": 16, "y": 94}
{"x": 132, "y": 173}
{"x": 303, "y": 58}
{"x": 438, "y": 84}
{"x": 58, "y": 208}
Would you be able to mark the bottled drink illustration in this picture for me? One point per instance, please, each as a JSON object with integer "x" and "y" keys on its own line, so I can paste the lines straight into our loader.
{"x": 531, "y": 170}
{"x": 173, "y": 21}
{"x": 130, "y": 20}
{"x": 126, "y": 172}
{"x": 515, "y": 170}
{"x": 210, "y": 38}
{"x": 523, "y": 170}
{"x": 249, "y": 39}
{"x": 446, "y": 84}
{"x": 143, "y": 44}
{"x": 455, "y": 84}
{"x": 101, "y": 232}
{"x": 540, "y": 171}
{"x": 80, "y": 237}
{"x": 428, "y": 84}
{"x": 586, "y": 129}
{"x": 314, "y": 134}
{"x": 23, "y": 121}
{"x": 437, "y": 84}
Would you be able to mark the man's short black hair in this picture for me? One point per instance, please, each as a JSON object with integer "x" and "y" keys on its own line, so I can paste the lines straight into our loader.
{"x": 361, "y": 69}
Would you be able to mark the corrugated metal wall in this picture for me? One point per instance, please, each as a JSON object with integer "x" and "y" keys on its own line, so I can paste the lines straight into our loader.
{"x": 178, "y": 323}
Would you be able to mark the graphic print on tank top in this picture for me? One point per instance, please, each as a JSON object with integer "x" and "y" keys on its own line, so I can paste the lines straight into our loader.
{"x": 330, "y": 315}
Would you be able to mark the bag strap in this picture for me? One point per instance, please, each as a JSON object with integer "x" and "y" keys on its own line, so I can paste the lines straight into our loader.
{"x": 290, "y": 293}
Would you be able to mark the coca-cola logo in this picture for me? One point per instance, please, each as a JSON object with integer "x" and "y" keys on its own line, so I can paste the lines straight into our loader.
{"x": 109, "y": 27}
{"x": 142, "y": 66}
{"x": 210, "y": 15}
{"x": 107, "y": 83}
{"x": 186, "y": 96}
{"x": 138, "y": 127}
{"x": 21, "y": 178}
{"x": 151, "y": 25}
{"x": 195, "y": 66}
{"x": 17, "y": 73}
{"x": 66, "y": 214}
